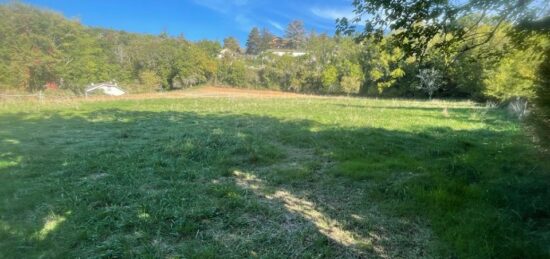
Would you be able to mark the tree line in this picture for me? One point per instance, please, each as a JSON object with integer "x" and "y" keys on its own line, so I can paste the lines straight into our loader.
{"x": 38, "y": 47}
{"x": 496, "y": 70}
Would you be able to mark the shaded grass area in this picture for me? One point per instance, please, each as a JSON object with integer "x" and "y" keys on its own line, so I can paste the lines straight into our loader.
{"x": 283, "y": 178}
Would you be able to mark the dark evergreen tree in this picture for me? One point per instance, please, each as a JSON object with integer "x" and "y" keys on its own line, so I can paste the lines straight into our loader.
{"x": 254, "y": 42}
{"x": 267, "y": 39}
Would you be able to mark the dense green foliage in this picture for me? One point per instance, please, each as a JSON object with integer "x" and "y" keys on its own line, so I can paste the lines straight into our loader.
{"x": 543, "y": 86}
{"x": 415, "y": 24}
{"x": 39, "y": 47}
{"x": 231, "y": 43}
{"x": 234, "y": 178}
{"x": 488, "y": 49}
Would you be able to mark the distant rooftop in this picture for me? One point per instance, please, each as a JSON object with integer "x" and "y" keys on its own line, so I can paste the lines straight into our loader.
{"x": 286, "y": 50}
{"x": 291, "y": 52}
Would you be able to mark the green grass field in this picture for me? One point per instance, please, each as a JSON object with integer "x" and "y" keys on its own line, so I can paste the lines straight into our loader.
{"x": 271, "y": 178}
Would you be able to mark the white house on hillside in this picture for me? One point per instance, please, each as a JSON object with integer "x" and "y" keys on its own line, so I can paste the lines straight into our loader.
{"x": 291, "y": 52}
{"x": 107, "y": 88}
{"x": 278, "y": 52}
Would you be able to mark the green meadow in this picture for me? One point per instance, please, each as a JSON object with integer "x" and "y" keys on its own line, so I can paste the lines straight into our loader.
{"x": 269, "y": 178}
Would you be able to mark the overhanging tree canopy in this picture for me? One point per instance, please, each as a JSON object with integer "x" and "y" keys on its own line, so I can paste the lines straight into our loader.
{"x": 414, "y": 24}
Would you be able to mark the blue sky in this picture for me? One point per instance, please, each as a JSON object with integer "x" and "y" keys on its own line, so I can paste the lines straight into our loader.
{"x": 201, "y": 19}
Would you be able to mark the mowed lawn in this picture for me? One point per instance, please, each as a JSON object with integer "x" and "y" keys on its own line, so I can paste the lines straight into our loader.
{"x": 271, "y": 178}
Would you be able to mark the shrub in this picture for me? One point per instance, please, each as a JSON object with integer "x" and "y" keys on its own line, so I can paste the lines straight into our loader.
{"x": 330, "y": 79}
{"x": 350, "y": 84}
{"x": 232, "y": 73}
{"x": 150, "y": 79}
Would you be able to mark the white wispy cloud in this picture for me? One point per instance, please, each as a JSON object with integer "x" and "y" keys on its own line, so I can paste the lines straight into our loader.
{"x": 237, "y": 9}
{"x": 333, "y": 13}
{"x": 222, "y": 6}
{"x": 276, "y": 25}
{"x": 244, "y": 22}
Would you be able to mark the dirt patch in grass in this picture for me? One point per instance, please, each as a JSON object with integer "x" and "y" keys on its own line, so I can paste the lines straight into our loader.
{"x": 296, "y": 186}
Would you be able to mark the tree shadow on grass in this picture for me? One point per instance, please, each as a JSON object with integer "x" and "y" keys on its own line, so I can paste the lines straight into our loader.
{"x": 115, "y": 183}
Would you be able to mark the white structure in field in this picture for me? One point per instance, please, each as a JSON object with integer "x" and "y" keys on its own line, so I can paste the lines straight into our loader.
{"x": 107, "y": 88}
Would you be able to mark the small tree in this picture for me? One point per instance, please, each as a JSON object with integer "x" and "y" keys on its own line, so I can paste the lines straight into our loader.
{"x": 430, "y": 81}
{"x": 232, "y": 44}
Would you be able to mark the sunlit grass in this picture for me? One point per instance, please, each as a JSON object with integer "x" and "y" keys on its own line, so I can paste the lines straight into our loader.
{"x": 269, "y": 177}
{"x": 52, "y": 221}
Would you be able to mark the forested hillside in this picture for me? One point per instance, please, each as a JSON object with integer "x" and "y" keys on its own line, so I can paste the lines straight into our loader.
{"x": 38, "y": 47}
